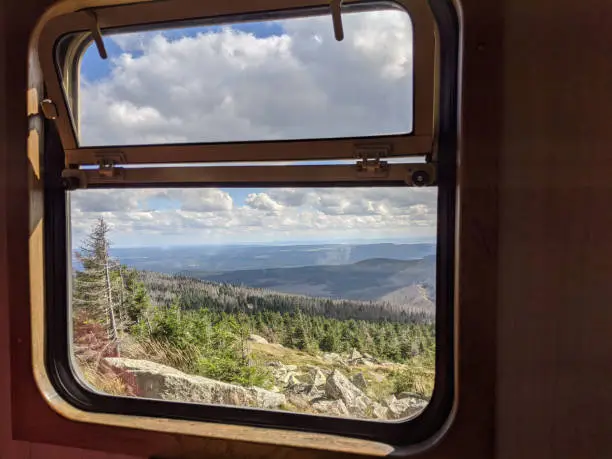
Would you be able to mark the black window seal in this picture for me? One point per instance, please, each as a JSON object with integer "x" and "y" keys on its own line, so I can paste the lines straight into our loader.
{"x": 402, "y": 434}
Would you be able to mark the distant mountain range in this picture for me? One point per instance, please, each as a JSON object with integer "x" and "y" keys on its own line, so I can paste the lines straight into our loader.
{"x": 402, "y": 275}
{"x": 231, "y": 258}
{"x": 400, "y": 282}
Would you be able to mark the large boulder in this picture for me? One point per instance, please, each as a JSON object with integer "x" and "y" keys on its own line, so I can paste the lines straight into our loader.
{"x": 338, "y": 387}
{"x": 359, "y": 381}
{"x": 330, "y": 407}
{"x": 314, "y": 377}
{"x": 405, "y": 407}
{"x": 284, "y": 375}
{"x": 257, "y": 339}
{"x": 331, "y": 357}
{"x": 355, "y": 354}
{"x": 162, "y": 382}
{"x": 379, "y": 411}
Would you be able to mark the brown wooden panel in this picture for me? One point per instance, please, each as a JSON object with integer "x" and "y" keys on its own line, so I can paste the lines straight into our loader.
{"x": 555, "y": 346}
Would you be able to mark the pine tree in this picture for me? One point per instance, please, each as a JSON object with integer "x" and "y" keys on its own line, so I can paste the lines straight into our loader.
{"x": 93, "y": 295}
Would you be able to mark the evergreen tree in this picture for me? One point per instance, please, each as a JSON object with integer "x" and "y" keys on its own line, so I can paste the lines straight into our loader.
{"x": 106, "y": 292}
{"x": 93, "y": 295}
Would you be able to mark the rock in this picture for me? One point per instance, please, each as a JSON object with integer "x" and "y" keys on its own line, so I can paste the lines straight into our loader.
{"x": 379, "y": 411}
{"x": 389, "y": 401}
{"x": 359, "y": 381}
{"x": 291, "y": 367}
{"x": 275, "y": 363}
{"x": 338, "y": 387}
{"x": 362, "y": 361}
{"x": 355, "y": 355}
{"x": 162, "y": 382}
{"x": 330, "y": 407}
{"x": 292, "y": 379}
{"x": 405, "y": 407}
{"x": 257, "y": 339}
{"x": 314, "y": 377}
{"x": 299, "y": 401}
{"x": 331, "y": 357}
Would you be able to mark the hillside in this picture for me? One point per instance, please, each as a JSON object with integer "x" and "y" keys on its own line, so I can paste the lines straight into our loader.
{"x": 367, "y": 280}
{"x": 191, "y": 293}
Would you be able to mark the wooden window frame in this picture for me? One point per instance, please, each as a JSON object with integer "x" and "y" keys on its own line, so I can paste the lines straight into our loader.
{"x": 162, "y": 442}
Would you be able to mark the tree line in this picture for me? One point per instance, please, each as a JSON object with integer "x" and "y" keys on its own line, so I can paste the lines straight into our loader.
{"x": 193, "y": 293}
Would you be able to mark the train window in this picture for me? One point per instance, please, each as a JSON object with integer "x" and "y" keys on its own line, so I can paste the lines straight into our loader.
{"x": 250, "y": 215}
{"x": 308, "y": 300}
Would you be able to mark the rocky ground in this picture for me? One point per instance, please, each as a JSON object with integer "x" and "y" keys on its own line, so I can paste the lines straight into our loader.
{"x": 351, "y": 385}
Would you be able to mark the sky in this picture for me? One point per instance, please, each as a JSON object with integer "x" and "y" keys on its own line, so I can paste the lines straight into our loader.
{"x": 287, "y": 79}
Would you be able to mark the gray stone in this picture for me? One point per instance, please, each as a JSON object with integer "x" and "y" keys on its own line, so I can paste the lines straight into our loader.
{"x": 315, "y": 377}
{"x": 359, "y": 381}
{"x": 330, "y": 407}
{"x": 355, "y": 355}
{"x": 331, "y": 357}
{"x": 362, "y": 362}
{"x": 379, "y": 411}
{"x": 162, "y": 382}
{"x": 405, "y": 407}
{"x": 338, "y": 387}
{"x": 258, "y": 339}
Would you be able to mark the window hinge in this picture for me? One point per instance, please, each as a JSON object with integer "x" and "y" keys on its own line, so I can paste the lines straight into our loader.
{"x": 369, "y": 163}
{"x": 49, "y": 109}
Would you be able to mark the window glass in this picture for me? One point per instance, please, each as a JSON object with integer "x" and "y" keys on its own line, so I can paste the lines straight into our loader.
{"x": 310, "y": 300}
{"x": 269, "y": 80}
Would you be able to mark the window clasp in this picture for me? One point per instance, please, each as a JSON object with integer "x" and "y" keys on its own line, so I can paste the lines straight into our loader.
{"x": 97, "y": 34}
{"x": 336, "y": 14}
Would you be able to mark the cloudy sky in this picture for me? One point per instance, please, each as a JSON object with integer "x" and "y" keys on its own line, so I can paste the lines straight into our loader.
{"x": 277, "y": 80}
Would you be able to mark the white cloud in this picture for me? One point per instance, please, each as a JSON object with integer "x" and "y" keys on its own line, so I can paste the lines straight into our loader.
{"x": 262, "y": 201}
{"x": 231, "y": 85}
{"x": 189, "y": 216}
{"x": 199, "y": 200}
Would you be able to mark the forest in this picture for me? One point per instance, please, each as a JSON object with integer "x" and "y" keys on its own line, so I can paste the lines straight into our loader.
{"x": 206, "y": 328}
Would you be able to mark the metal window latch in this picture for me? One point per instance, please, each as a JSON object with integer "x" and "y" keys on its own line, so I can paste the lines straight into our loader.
{"x": 96, "y": 33}
{"x": 369, "y": 163}
{"x": 336, "y": 14}
{"x": 107, "y": 163}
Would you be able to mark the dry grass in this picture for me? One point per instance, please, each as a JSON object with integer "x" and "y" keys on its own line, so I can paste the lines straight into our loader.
{"x": 104, "y": 381}
{"x": 155, "y": 351}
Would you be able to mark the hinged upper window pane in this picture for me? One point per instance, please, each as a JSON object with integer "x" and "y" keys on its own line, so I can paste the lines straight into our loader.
{"x": 193, "y": 82}
{"x": 276, "y": 79}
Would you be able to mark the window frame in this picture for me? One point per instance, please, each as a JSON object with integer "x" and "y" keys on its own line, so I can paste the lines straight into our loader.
{"x": 138, "y": 15}
{"x": 56, "y": 243}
